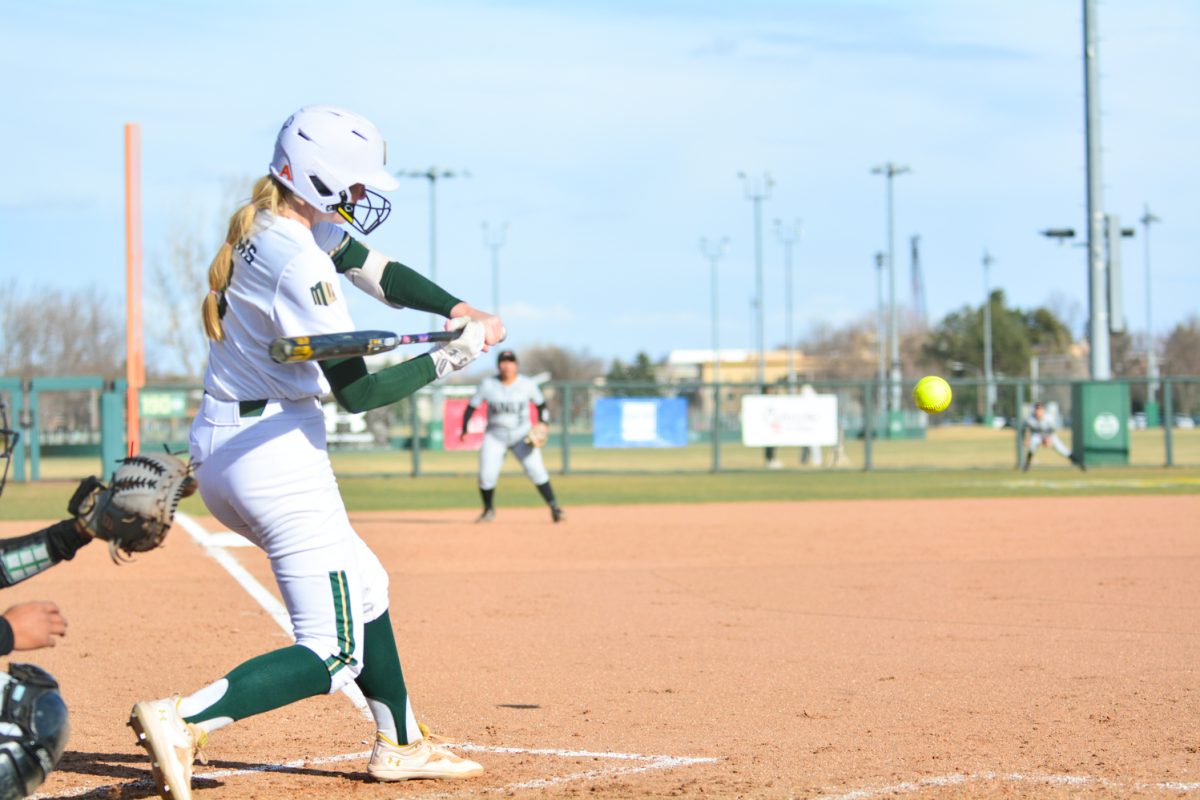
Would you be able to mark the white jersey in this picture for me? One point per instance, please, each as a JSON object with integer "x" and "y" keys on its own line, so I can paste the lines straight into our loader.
{"x": 508, "y": 406}
{"x": 283, "y": 284}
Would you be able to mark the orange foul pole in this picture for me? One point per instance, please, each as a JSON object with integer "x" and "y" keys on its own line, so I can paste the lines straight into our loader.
{"x": 135, "y": 366}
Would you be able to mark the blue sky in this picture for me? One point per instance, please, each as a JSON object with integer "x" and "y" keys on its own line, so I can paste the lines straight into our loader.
{"x": 609, "y": 137}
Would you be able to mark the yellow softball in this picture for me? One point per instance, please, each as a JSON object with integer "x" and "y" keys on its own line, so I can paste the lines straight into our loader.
{"x": 932, "y": 394}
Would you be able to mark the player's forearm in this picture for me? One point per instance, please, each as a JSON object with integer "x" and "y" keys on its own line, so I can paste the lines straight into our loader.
{"x": 390, "y": 281}
{"x": 467, "y": 418}
{"x": 358, "y": 390}
{"x": 22, "y": 557}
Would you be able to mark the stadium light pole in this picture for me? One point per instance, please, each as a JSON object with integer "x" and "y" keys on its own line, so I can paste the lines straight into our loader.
{"x": 881, "y": 334}
{"x": 890, "y": 171}
{"x": 989, "y": 384}
{"x": 757, "y": 190}
{"x": 433, "y": 175}
{"x": 1147, "y": 220}
{"x": 493, "y": 239}
{"x": 1098, "y": 322}
{"x": 788, "y": 234}
{"x": 713, "y": 251}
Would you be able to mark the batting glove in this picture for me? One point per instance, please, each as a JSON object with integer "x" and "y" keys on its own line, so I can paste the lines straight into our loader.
{"x": 450, "y": 356}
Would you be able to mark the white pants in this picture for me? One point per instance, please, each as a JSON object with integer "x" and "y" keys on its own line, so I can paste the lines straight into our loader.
{"x": 269, "y": 479}
{"x": 1037, "y": 440}
{"x": 491, "y": 459}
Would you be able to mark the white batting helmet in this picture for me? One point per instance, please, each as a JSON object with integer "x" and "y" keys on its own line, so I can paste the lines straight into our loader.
{"x": 322, "y": 151}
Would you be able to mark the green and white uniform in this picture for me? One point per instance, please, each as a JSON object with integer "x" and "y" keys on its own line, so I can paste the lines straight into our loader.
{"x": 259, "y": 443}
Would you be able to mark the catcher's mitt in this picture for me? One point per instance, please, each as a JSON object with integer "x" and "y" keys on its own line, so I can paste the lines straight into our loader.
{"x": 538, "y": 435}
{"x": 133, "y": 514}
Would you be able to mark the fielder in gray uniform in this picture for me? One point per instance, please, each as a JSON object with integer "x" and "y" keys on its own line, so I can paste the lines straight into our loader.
{"x": 508, "y": 396}
{"x": 1040, "y": 430}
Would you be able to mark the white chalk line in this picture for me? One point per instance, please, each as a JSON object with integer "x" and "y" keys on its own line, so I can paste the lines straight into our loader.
{"x": 1092, "y": 483}
{"x": 214, "y": 547}
{"x": 647, "y": 763}
{"x": 963, "y": 778}
{"x": 215, "y": 544}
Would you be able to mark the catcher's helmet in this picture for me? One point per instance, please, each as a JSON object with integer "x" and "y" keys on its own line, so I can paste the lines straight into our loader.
{"x": 33, "y": 729}
{"x": 322, "y": 151}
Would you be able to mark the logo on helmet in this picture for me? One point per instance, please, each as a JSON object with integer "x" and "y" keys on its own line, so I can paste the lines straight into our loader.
{"x": 286, "y": 172}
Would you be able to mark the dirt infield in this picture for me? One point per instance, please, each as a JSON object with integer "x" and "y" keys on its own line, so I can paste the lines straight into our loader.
{"x": 978, "y": 648}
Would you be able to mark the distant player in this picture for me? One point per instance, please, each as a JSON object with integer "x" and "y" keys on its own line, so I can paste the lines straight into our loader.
{"x": 508, "y": 396}
{"x": 1040, "y": 430}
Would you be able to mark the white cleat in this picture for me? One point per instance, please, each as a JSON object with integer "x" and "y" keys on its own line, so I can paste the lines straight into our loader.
{"x": 417, "y": 761}
{"x": 171, "y": 743}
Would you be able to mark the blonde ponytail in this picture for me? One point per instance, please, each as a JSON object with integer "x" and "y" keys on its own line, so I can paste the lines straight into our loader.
{"x": 268, "y": 195}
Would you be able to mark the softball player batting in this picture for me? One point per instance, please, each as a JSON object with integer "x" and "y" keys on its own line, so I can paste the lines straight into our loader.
{"x": 1040, "y": 430}
{"x": 508, "y": 396}
{"x": 259, "y": 442}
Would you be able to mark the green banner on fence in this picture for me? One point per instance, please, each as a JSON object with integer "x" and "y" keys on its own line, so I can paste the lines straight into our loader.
{"x": 163, "y": 403}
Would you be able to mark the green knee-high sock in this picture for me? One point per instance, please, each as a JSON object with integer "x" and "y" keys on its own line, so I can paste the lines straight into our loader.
{"x": 266, "y": 682}
{"x": 382, "y": 682}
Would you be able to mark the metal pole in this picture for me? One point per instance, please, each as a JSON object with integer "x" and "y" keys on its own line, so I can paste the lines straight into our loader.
{"x": 988, "y": 375}
{"x": 868, "y": 426}
{"x": 1101, "y": 359}
{"x": 713, "y": 251}
{"x": 890, "y": 171}
{"x": 1147, "y": 220}
{"x": 882, "y": 334}
{"x": 788, "y": 234}
{"x": 1168, "y": 420}
{"x": 494, "y": 239}
{"x": 433, "y": 320}
{"x": 758, "y": 190}
{"x": 566, "y": 429}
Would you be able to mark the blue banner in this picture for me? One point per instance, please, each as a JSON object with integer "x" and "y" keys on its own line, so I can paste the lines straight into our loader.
{"x": 640, "y": 422}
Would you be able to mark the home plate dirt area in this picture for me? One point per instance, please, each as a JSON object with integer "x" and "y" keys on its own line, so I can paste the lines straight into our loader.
{"x": 1040, "y": 648}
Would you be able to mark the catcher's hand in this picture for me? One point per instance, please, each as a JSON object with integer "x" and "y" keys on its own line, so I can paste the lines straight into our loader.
{"x": 538, "y": 434}
{"x": 135, "y": 513}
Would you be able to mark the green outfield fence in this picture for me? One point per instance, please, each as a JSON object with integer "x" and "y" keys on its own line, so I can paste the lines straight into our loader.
{"x": 74, "y": 426}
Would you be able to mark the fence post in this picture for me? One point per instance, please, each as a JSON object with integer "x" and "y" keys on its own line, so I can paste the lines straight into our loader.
{"x": 566, "y": 429}
{"x": 1168, "y": 421}
{"x": 868, "y": 425}
{"x": 17, "y": 395}
{"x": 1019, "y": 423}
{"x": 31, "y": 430}
{"x": 112, "y": 429}
{"x": 415, "y": 426}
{"x": 716, "y": 428}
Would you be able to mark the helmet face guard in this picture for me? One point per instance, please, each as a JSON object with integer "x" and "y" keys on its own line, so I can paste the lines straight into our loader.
{"x": 367, "y": 214}
{"x": 8, "y": 443}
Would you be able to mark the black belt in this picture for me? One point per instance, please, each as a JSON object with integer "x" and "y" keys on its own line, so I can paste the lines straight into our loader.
{"x": 251, "y": 408}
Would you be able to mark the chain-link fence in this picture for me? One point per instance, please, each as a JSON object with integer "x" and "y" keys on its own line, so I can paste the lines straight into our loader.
{"x": 61, "y": 421}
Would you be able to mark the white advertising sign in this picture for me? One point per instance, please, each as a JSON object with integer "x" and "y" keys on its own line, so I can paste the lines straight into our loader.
{"x": 789, "y": 420}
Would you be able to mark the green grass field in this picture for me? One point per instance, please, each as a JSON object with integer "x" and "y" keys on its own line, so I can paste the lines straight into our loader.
{"x": 48, "y": 499}
{"x": 951, "y": 462}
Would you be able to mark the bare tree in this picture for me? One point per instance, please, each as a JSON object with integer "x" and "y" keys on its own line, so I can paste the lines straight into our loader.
{"x": 179, "y": 282}
{"x": 1183, "y": 358}
{"x": 562, "y": 364}
{"x": 61, "y": 332}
